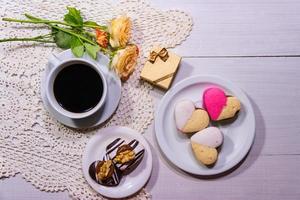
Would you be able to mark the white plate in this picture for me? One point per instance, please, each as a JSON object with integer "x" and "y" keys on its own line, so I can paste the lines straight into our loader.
{"x": 238, "y": 136}
{"x": 111, "y": 103}
{"x": 95, "y": 150}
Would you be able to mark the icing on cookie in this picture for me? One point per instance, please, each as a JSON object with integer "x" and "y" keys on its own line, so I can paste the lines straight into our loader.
{"x": 210, "y": 136}
{"x": 214, "y": 100}
{"x": 188, "y": 119}
{"x": 183, "y": 111}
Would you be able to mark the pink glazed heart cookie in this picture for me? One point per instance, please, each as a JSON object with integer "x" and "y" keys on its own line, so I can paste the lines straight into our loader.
{"x": 218, "y": 105}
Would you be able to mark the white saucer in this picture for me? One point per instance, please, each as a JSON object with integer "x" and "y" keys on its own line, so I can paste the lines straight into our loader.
{"x": 95, "y": 150}
{"x": 238, "y": 135}
{"x": 112, "y": 100}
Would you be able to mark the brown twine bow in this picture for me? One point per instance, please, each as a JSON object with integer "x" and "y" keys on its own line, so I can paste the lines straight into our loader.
{"x": 163, "y": 54}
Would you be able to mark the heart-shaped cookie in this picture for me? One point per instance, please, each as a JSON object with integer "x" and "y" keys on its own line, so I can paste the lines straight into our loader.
{"x": 205, "y": 154}
{"x": 233, "y": 105}
{"x": 210, "y": 136}
{"x": 188, "y": 119}
{"x": 218, "y": 105}
{"x": 204, "y": 144}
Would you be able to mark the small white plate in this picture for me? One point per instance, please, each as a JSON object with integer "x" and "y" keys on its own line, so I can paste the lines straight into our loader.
{"x": 238, "y": 135}
{"x": 95, "y": 150}
{"x": 113, "y": 94}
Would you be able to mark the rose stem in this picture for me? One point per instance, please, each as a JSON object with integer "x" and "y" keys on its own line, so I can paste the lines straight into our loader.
{"x": 43, "y": 21}
{"x": 47, "y": 22}
{"x": 26, "y": 39}
{"x": 74, "y": 34}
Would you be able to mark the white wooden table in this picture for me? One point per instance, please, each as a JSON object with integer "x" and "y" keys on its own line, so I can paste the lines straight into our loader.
{"x": 255, "y": 44}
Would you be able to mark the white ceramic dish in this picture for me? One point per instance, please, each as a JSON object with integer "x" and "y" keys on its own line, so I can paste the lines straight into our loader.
{"x": 95, "y": 150}
{"x": 238, "y": 135}
{"x": 112, "y": 98}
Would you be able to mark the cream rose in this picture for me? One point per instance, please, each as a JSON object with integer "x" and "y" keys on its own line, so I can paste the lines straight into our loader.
{"x": 120, "y": 31}
{"x": 125, "y": 60}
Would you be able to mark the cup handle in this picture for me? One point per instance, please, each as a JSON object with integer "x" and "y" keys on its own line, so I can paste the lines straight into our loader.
{"x": 53, "y": 61}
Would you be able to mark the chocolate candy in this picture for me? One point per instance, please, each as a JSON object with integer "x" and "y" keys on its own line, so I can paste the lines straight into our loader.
{"x": 104, "y": 172}
{"x": 134, "y": 153}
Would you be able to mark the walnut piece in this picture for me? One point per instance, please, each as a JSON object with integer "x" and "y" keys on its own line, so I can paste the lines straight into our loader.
{"x": 125, "y": 154}
{"x": 105, "y": 170}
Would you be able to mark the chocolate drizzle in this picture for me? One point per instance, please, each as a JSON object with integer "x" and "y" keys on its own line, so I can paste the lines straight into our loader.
{"x": 127, "y": 167}
{"x": 114, "y": 145}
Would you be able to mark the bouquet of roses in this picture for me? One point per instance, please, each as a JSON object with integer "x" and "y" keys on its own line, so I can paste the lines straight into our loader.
{"x": 90, "y": 37}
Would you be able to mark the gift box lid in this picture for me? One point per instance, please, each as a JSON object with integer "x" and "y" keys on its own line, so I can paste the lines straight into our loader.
{"x": 161, "y": 67}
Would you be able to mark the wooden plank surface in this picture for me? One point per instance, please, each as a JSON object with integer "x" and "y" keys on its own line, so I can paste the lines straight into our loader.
{"x": 225, "y": 36}
{"x": 270, "y": 171}
{"x": 273, "y": 86}
{"x": 240, "y": 27}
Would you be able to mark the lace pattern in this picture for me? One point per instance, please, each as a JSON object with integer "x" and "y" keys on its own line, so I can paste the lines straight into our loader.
{"x": 43, "y": 151}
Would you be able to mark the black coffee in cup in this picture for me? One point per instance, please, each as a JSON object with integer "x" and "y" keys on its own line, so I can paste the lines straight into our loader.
{"x": 78, "y": 88}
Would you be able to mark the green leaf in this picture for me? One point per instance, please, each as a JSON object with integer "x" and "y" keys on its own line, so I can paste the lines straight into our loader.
{"x": 62, "y": 39}
{"x": 73, "y": 17}
{"x": 78, "y": 51}
{"x": 91, "y": 23}
{"x": 77, "y": 48}
{"x": 92, "y": 50}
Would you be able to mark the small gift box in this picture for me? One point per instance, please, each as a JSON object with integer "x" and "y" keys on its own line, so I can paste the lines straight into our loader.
{"x": 161, "y": 67}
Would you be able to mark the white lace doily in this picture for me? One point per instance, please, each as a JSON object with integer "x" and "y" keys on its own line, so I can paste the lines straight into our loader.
{"x": 43, "y": 151}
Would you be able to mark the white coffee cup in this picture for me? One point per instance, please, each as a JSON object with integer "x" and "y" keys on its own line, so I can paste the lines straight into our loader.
{"x": 56, "y": 66}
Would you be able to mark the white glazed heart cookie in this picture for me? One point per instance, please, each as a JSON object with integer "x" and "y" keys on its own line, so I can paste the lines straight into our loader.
{"x": 204, "y": 144}
{"x": 188, "y": 119}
